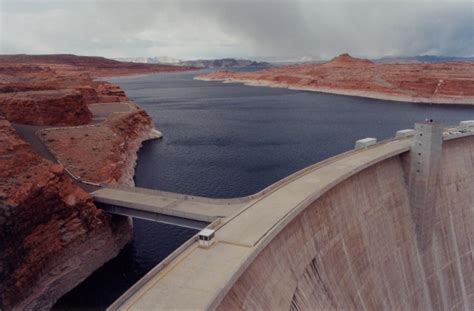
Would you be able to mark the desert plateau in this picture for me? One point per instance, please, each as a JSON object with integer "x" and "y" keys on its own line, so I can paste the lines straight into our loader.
{"x": 432, "y": 83}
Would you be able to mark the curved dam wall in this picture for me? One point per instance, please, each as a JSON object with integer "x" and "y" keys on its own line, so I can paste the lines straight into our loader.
{"x": 357, "y": 246}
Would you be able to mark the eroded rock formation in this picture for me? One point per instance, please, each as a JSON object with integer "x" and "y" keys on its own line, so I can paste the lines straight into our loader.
{"x": 51, "y": 234}
{"x": 106, "y": 152}
{"x": 444, "y": 82}
{"x": 49, "y": 107}
{"x": 56, "y": 89}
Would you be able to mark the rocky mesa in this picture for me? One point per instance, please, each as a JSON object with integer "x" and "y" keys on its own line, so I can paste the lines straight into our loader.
{"x": 106, "y": 152}
{"x": 438, "y": 83}
{"x": 52, "y": 236}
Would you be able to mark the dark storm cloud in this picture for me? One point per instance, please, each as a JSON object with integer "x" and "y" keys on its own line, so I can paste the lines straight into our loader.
{"x": 365, "y": 28}
{"x": 218, "y": 28}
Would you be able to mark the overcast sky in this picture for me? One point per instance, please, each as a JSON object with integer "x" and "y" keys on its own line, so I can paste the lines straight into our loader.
{"x": 286, "y": 29}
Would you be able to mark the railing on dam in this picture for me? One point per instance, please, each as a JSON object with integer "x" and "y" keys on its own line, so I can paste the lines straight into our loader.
{"x": 164, "y": 207}
{"x": 186, "y": 210}
{"x": 153, "y": 216}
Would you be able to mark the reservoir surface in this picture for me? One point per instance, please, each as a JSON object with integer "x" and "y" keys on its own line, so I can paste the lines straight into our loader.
{"x": 230, "y": 140}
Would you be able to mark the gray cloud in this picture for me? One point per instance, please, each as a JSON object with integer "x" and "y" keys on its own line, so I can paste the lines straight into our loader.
{"x": 219, "y": 28}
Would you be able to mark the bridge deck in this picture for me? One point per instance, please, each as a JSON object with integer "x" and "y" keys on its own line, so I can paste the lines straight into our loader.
{"x": 182, "y": 210}
{"x": 199, "y": 278}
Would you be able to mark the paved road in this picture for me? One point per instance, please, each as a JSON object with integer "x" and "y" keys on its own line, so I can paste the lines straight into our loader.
{"x": 28, "y": 133}
{"x": 100, "y": 112}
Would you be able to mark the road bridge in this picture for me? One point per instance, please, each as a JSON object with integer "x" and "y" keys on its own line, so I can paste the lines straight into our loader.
{"x": 165, "y": 207}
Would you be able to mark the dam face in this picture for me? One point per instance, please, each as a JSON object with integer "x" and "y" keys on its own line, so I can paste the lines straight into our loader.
{"x": 359, "y": 245}
{"x": 347, "y": 233}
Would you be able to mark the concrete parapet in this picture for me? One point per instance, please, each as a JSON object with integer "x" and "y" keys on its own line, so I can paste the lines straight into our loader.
{"x": 405, "y": 133}
{"x": 364, "y": 143}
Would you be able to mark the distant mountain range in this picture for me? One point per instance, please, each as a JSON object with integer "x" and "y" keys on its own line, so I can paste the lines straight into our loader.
{"x": 151, "y": 60}
{"x": 235, "y": 62}
{"x": 225, "y": 63}
{"x": 200, "y": 63}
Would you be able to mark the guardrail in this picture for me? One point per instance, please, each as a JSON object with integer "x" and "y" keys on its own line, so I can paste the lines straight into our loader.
{"x": 254, "y": 196}
{"x": 157, "y": 269}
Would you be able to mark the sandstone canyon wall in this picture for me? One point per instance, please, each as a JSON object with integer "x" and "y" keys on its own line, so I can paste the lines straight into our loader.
{"x": 356, "y": 248}
{"x": 52, "y": 236}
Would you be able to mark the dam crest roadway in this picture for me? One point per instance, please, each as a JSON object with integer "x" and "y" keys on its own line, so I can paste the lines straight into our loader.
{"x": 249, "y": 233}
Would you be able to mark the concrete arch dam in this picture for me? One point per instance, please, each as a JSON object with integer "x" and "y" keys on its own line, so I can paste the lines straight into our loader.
{"x": 386, "y": 227}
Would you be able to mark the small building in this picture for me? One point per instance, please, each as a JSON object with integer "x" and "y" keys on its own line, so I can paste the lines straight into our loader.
{"x": 366, "y": 142}
{"x": 405, "y": 133}
{"x": 466, "y": 125}
{"x": 206, "y": 238}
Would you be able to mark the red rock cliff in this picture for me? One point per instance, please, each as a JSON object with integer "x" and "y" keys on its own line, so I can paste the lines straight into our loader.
{"x": 49, "y": 107}
{"x": 56, "y": 89}
{"x": 119, "y": 138}
{"x": 51, "y": 234}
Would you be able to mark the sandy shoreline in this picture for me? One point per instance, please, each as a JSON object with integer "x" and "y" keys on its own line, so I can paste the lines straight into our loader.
{"x": 364, "y": 94}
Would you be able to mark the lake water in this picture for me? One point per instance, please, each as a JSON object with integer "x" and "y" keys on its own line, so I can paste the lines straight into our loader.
{"x": 231, "y": 140}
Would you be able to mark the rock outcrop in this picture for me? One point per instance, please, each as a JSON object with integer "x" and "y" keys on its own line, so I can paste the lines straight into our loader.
{"x": 347, "y": 60}
{"x": 56, "y": 89}
{"x": 106, "y": 152}
{"x": 51, "y": 94}
{"x": 48, "y": 107}
{"x": 441, "y": 83}
{"x": 51, "y": 234}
